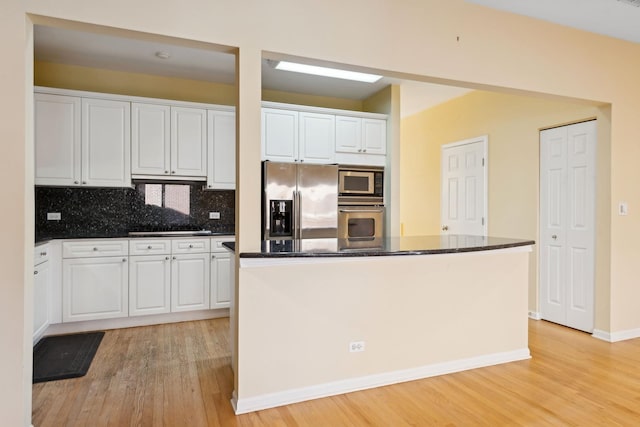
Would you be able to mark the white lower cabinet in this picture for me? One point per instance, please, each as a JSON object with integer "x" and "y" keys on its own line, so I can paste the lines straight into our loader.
{"x": 41, "y": 292}
{"x": 190, "y": 282}
{"x": 149, "y": 284}
{"x": 94, "y": 288}
{"x": 220, "y": 279}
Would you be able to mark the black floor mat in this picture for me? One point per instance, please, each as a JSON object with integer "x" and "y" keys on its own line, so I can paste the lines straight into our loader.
{"x": 64, "y": 356}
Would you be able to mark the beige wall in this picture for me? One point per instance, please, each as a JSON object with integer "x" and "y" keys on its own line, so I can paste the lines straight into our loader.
{"x": 75, "y": 77}
{"x": 451, "y": 42}
{"x": 405, "y": 321}
{"x": 512, "y": 123}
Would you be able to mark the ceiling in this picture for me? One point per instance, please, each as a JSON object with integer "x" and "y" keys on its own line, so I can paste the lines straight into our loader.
{"x": 93, "y": 49}
{"x": 615, "y": 18}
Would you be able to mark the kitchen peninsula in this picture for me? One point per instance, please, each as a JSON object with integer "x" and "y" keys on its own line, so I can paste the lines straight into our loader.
{"x": 318, "y": 317}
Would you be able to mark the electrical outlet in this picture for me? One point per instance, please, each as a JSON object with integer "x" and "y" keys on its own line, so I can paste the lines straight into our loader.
{"x": 54, "y": 216}
{"x": 356, "y": 346}
{"x": 214, "y": 215}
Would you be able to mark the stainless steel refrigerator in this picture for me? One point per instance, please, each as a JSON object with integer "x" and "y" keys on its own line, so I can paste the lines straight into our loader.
{"x": 300, "y": 201}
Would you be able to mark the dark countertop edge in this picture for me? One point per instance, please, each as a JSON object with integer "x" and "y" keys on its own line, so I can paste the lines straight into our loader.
{"x": 42, "y": 240}
{"x": 368, "y": 253}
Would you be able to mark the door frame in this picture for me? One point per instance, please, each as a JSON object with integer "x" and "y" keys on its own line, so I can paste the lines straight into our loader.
{"x": 484, "y": 140}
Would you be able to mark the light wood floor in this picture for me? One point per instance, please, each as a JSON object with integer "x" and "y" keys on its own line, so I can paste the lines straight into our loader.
{"x": 180, "y": 375}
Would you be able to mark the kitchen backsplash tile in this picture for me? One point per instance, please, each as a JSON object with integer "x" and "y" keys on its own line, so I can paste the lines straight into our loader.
{"x": 107, "y": 212}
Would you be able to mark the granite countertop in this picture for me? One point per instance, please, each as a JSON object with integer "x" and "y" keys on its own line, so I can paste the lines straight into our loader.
{"x": 414, "y": 245}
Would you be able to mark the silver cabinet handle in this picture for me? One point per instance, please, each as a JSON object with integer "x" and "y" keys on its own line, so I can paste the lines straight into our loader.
{"x": 364, "y": 150}
{"x": 149, "y": 247}
{"x": 124, "y": 260}
{"x": 35, "y": 272}
{"x": 95, "y": 249}
{"x": 554, "y": 237}
{"x": 166, "y": 258}
{"x": 359, "y": 150}
{"x": 173, "y": 171}
{"x": 190, "y": 246}
{"x": 84, "y": 182}
{"x": 43, "y": 254}
{"x": 76, "y": 182}
{"x": 213, "y": 256}
{"x": 445, "y": 228}
{"x": 174, "y": 257}
{"x": 166, "y": 171}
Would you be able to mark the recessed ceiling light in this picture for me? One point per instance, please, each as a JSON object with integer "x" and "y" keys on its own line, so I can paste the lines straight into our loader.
{"x": 327, "y": 72}
{"x": 163, "y": 55}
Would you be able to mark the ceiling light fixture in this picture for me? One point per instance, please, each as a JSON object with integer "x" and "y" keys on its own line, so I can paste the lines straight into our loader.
{"x": 163, "y": 55}
{"x": 327, "y": 72}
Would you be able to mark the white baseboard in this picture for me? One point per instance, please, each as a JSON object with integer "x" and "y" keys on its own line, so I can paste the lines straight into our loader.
{"x": 535, "y": 315}
{"x": 129, "y": 322}
{"x": 616, "y": 336}
{"x": 250, "y": 404}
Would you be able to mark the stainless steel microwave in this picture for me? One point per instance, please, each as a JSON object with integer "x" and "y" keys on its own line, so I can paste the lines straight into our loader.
{"x": 360, "y": 185}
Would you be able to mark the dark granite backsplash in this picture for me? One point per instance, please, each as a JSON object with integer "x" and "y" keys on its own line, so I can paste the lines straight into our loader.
{"x": 113, "y": 212}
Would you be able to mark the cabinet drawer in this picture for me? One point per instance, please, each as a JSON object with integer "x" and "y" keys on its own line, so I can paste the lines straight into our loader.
{"x": 216, "y": 243}
{"x": 95, "y": 248}
{"x": 189, "y": 246}
{"x": 149, "y": 246}
{"x": 40, "y": 254}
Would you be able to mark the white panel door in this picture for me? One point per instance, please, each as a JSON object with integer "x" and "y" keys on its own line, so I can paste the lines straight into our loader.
{"x": 57, "y": 139}
{"x": 220, "y": 280}
{"x": 279, "y": 135}
{"x": 567, "y": 225}
{"x": 464, "y": 188}
{"x": 106, "y": 143}
{"x": 188, "y": 142}
{"x": 317, "y": 138}
{"x": 94, "y": 288}
{"x": 190, "y": 282}
{"x": 149, "y": 284}
{"x": 150, "y": 139}
{"x": 221, "y": 149}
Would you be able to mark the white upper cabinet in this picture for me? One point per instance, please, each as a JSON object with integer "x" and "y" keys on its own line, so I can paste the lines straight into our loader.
{"x": 279, "y": 135}
{"x": 150, "y": 139}
{"x": 106, "y": 143}
{"x": 361, "y": 135}
{"x": 221, "y": 150}
{"x": 374, "y": 136}
{"x": 57, "y": 139}
{"x": 82, "y": 141}
{"x": 292, "y": 136}
{"x": 188, "y": 142}
{"x": 317, "y": 137}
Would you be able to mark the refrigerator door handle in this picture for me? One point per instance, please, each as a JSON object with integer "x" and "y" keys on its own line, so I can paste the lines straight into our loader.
{"x": 298, "y": 215}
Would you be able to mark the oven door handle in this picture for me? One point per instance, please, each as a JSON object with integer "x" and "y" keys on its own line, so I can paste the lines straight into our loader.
{"x": 361, "y": 210}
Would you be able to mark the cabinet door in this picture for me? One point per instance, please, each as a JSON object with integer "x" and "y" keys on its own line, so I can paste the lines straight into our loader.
{"x": 106, "y": 143}
{"x": 279, "y": 135}
{"x": 221, "y": 149}
{"x": 317, "y": 138}
{"x": 41, "y": 297}
{"x": 57, "y": 139}
{"x": 150, "y": 139}
{"x": 149, "y": 284}
{"x": 188, "y": 142}
{"x": 190, "y": 282}
{"x": 374, "y": 136}
{"x": 94, "y": 288}
{"x": 220, "y": 280}
{"x": 348, "y": 134}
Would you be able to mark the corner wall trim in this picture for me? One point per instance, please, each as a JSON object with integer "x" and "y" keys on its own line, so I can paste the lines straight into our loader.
{"x": 616, "y": 336}
{"x": 271, "y": 400}
{"x": 535, "y": 315}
